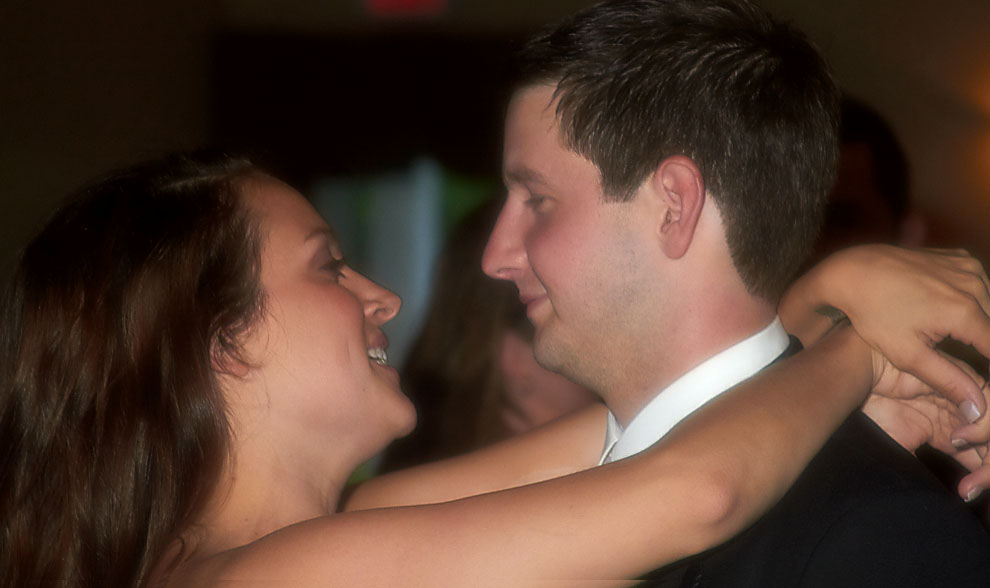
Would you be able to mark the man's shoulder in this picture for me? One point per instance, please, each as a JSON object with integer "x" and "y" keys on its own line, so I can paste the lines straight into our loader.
{"x": 867, "y": 511}
{"x": 864, "y": 512}
{"x": 861, "y": 464}
{"x": 859, "y": 468}
{"x": 859, "y": 471}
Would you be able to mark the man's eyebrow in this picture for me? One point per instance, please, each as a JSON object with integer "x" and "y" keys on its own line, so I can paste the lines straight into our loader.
{"x": 524, "y": 175}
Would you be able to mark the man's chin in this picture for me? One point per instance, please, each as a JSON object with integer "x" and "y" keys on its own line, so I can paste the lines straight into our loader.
{"x": 547, "y": 351}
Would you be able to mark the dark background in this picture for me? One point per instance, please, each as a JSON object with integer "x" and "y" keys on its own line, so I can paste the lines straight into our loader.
{"x": 331, "y": 88}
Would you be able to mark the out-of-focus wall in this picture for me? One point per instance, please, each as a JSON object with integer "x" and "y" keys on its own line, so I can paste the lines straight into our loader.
{"x": 483, "y": 16}
{"x": 87, "y": 86}
{"x": 926, "y": 67}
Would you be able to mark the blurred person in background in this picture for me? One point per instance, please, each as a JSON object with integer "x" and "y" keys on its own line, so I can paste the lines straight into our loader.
{"x": 871, "y": 203}
{"x": 871, "y": 199}
{"x": 471, "y": 373}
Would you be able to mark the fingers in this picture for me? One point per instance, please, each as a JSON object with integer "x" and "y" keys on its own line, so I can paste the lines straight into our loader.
{"x": 969, "y": 459}
{"x": 971, "y": 326}
{"x": 954, "y": 268}
{"x": 972, "y": 434}
{"x": 976, "y": 436}
{"x": 975, "y": 483}
{"x": 975, "y": 268}
{"x": 969, "y": 275}
{"x": 953, "y": 380}
{"x": 905, "y": 423}
{"x": 915, "y": 299}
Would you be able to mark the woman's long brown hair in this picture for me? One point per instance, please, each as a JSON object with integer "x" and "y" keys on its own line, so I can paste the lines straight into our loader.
{"x": 112, "y": 427}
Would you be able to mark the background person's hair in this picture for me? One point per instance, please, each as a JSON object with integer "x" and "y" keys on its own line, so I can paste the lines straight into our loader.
{"x": 113, "y": 431}
{"x": 862, "y": 124}
{"x": 452, "y": 374}
{"x": 748, "y": 99}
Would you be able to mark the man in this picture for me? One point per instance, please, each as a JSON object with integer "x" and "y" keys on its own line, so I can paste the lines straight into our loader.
{"x": 666, "y": 165}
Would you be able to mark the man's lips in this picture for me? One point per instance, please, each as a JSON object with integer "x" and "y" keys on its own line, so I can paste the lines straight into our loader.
{"x": 527, "y": 299}
{"x": 532, "y": 302}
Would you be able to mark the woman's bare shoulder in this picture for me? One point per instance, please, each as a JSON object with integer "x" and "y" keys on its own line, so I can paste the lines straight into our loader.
{"x": 331, "y": 550}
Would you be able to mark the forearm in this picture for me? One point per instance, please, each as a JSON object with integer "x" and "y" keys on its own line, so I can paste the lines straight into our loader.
{"x": 693, "y": 490}
{"x": 902, "y": 302}
{"x": 777, "y": 422}
{"x": 690, "y": 492}
{"x": 727, "y": 464}
{"x": 811, "y": 306}
{"x": 565, "y": 446}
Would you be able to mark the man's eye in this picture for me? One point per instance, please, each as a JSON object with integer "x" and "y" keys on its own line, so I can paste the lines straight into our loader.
{"x": 536, "y": 202}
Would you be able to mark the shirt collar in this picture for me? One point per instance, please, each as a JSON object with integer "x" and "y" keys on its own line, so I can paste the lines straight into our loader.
{"x": 692, "y": 390}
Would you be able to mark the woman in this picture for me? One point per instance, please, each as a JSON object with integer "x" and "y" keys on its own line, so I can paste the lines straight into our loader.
{"x": 191, "y": 371}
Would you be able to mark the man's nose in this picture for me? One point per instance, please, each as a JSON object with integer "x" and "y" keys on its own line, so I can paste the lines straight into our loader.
{"x": 504, "y": 254}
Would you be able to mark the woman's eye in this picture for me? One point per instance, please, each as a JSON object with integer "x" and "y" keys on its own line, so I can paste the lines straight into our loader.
{"x": 335, "y": 267}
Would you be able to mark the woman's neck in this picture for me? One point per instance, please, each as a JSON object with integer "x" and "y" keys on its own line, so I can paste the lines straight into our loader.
{"x": 261, "y": 492}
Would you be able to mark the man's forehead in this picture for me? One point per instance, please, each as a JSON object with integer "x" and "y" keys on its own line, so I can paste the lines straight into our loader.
{"x": 531, "y": 126}
{"x": 537, "y": 102}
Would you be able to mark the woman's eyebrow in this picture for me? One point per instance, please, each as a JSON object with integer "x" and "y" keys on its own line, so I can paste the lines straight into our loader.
{"x": 327, "y": 236}
{"x": 319, "y": 232}
{"x": 322, "y": 233}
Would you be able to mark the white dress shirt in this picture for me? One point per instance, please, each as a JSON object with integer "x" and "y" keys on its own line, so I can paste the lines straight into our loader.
{"x": 692, "y": 390}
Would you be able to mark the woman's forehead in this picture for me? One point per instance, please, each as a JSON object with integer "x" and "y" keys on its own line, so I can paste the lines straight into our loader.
{"x": 282, "y": 211}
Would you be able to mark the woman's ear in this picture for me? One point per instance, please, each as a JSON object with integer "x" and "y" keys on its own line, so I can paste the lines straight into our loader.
{"x": 226, "y": 362}
{"x": 681, "y": 189}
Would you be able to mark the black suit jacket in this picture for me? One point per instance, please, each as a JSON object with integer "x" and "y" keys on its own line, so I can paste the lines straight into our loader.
{"x": 863, "y": 513}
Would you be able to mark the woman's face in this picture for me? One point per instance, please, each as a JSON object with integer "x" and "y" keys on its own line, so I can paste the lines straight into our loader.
{"x": 319, "y": 353}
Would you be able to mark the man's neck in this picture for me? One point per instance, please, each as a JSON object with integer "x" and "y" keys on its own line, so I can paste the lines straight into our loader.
{"x": 694, "y": 389}
{"x": 686, "y": 345}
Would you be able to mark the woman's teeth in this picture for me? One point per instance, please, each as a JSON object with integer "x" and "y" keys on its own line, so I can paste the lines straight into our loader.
{"x": 378, "y": 355}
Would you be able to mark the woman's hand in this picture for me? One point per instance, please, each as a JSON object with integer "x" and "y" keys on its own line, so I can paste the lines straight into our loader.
{"x": 914, "y": 414}
{"x": 902, "y": 302}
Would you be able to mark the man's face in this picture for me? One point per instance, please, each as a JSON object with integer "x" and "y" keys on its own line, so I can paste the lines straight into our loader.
{"x": 582, "y": 265}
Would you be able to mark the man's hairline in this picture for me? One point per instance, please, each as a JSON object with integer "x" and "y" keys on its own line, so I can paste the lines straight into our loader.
{"x": 613, "y": 198}
{"x": 553, "y": 82}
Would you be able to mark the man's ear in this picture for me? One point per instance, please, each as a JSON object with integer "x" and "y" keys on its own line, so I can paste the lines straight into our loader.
{"x": 681, "y": 189}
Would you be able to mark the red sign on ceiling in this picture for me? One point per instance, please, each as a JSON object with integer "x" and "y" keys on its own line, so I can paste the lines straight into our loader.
{"x": 405, "y": 7}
